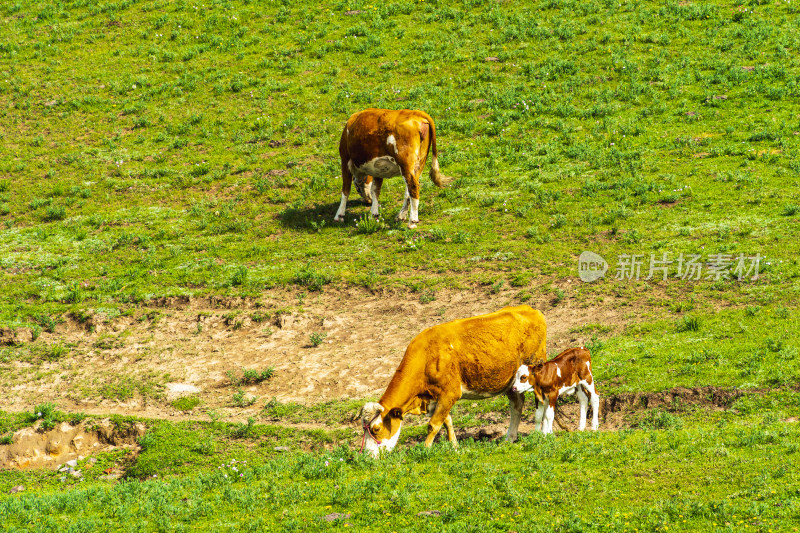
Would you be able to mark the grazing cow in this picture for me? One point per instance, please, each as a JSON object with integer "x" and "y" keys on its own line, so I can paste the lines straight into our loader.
{"x": 471, "y": 358}
{"x": 380, "y": 143}
{"x": 567, "y": 373}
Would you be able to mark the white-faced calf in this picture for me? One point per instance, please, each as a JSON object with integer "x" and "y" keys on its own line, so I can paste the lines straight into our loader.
{"x": 568, "y": 373}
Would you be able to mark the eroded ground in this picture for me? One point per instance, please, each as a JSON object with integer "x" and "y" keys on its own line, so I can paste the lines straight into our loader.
{"x": 138, "y": 364}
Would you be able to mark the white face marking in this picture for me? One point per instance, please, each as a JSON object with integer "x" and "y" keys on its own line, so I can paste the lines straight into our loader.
{"x": 558, "y": 372}
{"x": 519, "y": 386}
{"x": 372, "y": 446}
{"x": 391, "y": 142}
{"x": 380, "y": 167}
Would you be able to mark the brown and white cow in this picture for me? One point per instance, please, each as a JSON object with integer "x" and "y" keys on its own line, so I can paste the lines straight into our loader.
{"x": 567, "y": 373}
{"x": 469, "y": 358}
{"x": 380, "y": 143}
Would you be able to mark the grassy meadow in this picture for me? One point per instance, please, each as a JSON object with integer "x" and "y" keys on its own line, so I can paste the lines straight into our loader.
{"x": 154, "y": 148}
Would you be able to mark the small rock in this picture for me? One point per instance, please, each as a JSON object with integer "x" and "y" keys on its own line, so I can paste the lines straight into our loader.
{"x": 77, "y": 473}
{"x": 492, "y": 59}
{"x": 18, "y": 488}
{"x": 282, "y": 448}
{"x": 93, "y": 460}
{"x": 432, "y": 512}
{"x": 72, "y": 462}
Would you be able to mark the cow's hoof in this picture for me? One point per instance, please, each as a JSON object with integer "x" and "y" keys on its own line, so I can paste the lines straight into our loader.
{"x": 338, "y": 219}
{"x": 402, "y": 216}
{"x": 412, "y": 224}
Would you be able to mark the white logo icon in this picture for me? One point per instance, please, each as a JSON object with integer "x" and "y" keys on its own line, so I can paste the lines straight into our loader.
{"x": 591, "y": 267}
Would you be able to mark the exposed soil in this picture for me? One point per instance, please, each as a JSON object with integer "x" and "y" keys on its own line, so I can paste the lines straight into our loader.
{"x": 34, "y": 447}
{"x": 139, "y": 364}
{"x": 185, "y": 346}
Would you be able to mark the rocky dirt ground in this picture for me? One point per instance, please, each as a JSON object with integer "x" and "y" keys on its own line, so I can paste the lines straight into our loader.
{"x": 186, "y": 346}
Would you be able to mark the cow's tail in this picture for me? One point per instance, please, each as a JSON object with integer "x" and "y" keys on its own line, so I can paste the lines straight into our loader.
{"x": 560, "y": 419}
{"x": 439, "y": 179}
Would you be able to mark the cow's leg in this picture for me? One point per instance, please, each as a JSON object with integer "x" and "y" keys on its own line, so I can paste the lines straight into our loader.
{"x": 451, "y": 433}
{"x": 584, "y": 401}
{"x": 347, "y": 182}
{"x": 412, "y": 184}
{"x": 595, "y": 399}
{"x": 538, "y": 420}
{"x": 516, "y": 401}
{"x": 377, "y": 183}
{"x": 440, "y": 415}
{"x": 403, "y": 214}
{"x": 549, "y": 415}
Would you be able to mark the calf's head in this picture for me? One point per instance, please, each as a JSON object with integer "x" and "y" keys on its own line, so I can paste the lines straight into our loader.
{"x": 523, "y": 381}
{"x": 381, "y": 428}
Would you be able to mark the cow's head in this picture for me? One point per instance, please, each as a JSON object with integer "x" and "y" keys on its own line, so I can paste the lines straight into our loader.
{"x": 381, "y": 428}
{"x": 523, "y": 381}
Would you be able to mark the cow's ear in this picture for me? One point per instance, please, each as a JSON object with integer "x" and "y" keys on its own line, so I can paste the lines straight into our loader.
{"x": 396, "y": 413}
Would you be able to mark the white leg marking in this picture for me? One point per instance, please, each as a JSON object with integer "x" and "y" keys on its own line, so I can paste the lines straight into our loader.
{"x": 538, "y": 422}
{"x": 340, "y": 213}
{"x": 404, "y": 210}
{"x": 548, "y": 420}
{"x": 414, "y": 220}
{"x": 595, "y": 399}
{"x": 584, "y": 401}
{"x": 558, "y": 372}
{"x": 368, "y": 189}
{"x": 376, "y": 207}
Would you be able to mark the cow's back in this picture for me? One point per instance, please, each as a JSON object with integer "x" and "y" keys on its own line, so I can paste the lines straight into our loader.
{"x": 365, "y": 134}
{"x": 485, "y": 351}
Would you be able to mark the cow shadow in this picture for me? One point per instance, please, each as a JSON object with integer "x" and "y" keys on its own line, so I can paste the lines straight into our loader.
{"x": 312, "y": 218}
{"x": 319, "y": 216}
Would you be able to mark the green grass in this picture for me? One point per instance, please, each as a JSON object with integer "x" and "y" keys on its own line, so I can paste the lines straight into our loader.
{"x": 634, "y": 479}
{"x": 157, "y": 149}
{"x": 626, "y": 128}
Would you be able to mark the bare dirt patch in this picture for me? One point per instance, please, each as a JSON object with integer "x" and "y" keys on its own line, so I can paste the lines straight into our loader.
{"x": 33, "y": 447}
{"x": 129, "y": 364}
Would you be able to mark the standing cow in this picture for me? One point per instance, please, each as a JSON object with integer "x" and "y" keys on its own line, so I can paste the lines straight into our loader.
{"x": 380, "y": 143}
{"x": 569, "y": 372}
{"x": 471, "y": 358}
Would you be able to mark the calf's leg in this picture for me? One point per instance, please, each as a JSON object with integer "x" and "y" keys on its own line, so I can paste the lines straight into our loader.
{"x": 584, "y": 402}
{"x": 538, "y": 424}
{"x": 595, "y": 399}
{"x": 550, "y": 414}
